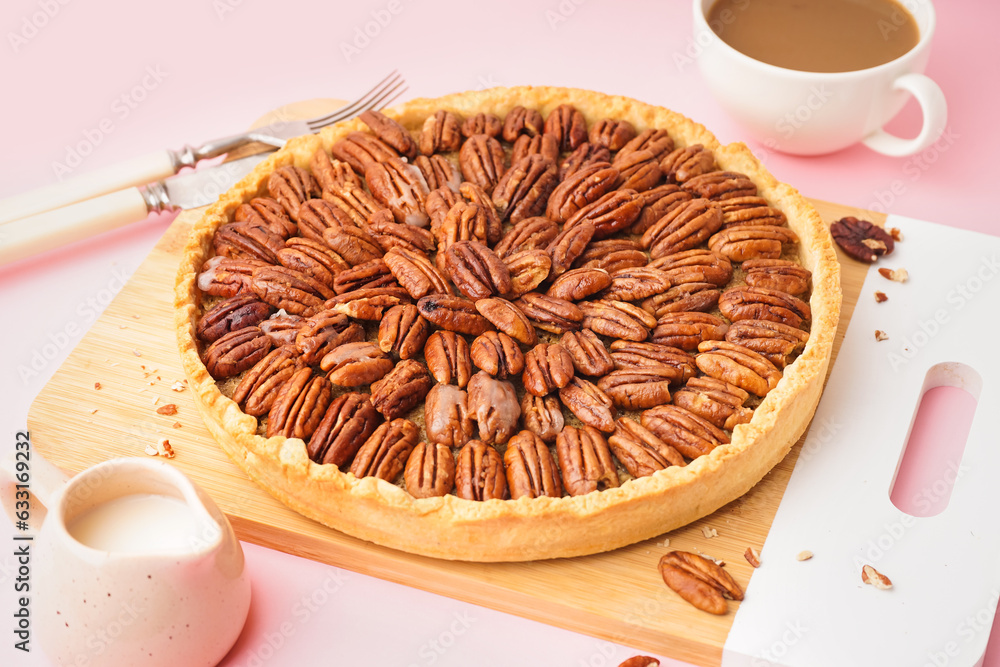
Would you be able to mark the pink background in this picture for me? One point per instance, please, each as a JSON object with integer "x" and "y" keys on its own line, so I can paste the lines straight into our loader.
{"x": 219, "y": 64}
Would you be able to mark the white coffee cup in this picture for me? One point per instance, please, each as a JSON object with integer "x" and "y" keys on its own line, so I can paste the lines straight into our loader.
{"x": 813, "y": 113}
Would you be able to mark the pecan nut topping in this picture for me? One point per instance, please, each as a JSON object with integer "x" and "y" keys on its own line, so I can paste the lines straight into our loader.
{"x": 482, "y": 161}
{"x": 447, "y": 417}
{"x": 683, "y": 228}
{"x": 313, "y": 259}
{"x": 716, "y": 401}
{"x": 238, "y": 312}
{"x": 542, "y": 415}
{"x": 291, "y": 186}
{"x": 236, "y": 351}
{"x": 631, "y": 355}
{"x": 546, "y": 369}
{"x": 590, "y": 405}
{"x": 721, "y": 185}
{"x": 639, "y": 171}
{"x": 636, "y": 283}
{"x": 403, "y": 332}
{"x": 588, "y": 353}
{"x": 773, "y": 340}
{"x": 640, "y": 451}
{"x": 543, "y": 144}
{"x": 567, "y": 125}
{"x": 494, "y": 404}
{"x": 476, "y": 270}
{"x": 751, "y": 242}
{"x": 657, "y": 142}
{"x": 349, "y": 421}
{"x": 584, "y": 187}
{"x": 474, "y": 194}
{"x": 354, "y": 201}
{"x": 391, "y": 132}
{"x": 368, "y": 303}
{"x": 242, "y": 240}
{"x": 695, "y": 266}
{"x": 318, "y": 215}
{"x": 861, "y": 239}
{"x": 355, "y": 364}
{"x": 578, "y": 284}
{"x": 224, "y": 276}
{"x": 523, "y": 190}
{"x": 528, "y": 269}
{"x": 506, "y": 317}
{"x": 360, "y": 149}
{"x": 584, "y": 155}
{"x": 640, "y": 388}
{"x": 531, "y": 469}
{"x": 521, "y": 121}
{"x": 738, "y": 366}
{"x": 700, "y": 581}
{"x": 300, "y": 405}
{"x": 687, "y": 330}
{"x": 688, "y": 297}
{"x": 332, "y": 173}
{"x": 430, "y": 471}
{"x": 390, "y": 234}
{"x": 401, "y": 188}
{"x": 497, "y": 354}
{"x": 282, "y": 329}
{"x": 269, "y": 213}
{"x": 482, "y": 123}
{"x": 324, "y": 332}
{"x": 352, "y": 243}
{"x": 687, "y": 162}
{"x": 565, "y": 248}
{"x": 441, "y": 133}
{"x": 415, "y": 273}
{"x": 617, "y": 319}
{"x": 438, "y": 172}
{"x": 777, "y": 274}
{"x": 614, "y": 211}
{"x": 439, "y": 202}
{"x": 549, "y": 313}
{"x": 374, "y": 274}
{"x": 463, "y": 222}
{"x": 453, "y": 313}
{"x": 686, "y": 432}
{"x": 611, "y": 133}
{"x": 757, "y": 303}
{"x": 385, "y": 452}
{"x": 479, "y": 473}
{"x": 612, "y": 255}
{"x": 402, "y": 389}
{"x": 738, "y": 211}
{"x": 657, "y": 202}
{"x": 257, "y": 390}
{"x": 527, "y": 234}
{"x": 585, "y": 461}
{"x": 448, "y": 359}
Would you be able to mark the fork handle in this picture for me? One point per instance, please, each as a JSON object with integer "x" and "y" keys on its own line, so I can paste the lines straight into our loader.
{"x": 137, "y": 171}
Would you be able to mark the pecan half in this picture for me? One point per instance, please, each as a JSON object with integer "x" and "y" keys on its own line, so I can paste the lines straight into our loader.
{"x": 546, "y": 369}
{"x": 565, "y": 248}
{"x": 355, "y": 201}
{"x": 402, "y": 389}
{"x": 772, "y": 340}
{"x": 528, "y": 269}
{"x": 257, "y": 390}
{"x": 687, "y": 330}
{"x": 463, "y": 222}
{"x": 543, "y": 144}
{"x": 757, "y": 303}
{"x": 360, "y": 149}
{"x": 617, "y": 319}
{"x": 549, "y": 313}
{"x": 527, "y": 234}
{"x": 497, "y": 354}
{"x": 349, "y": 421}
{"x": 482, "y": 161}
{"x": 640, "y": 451}
{"x": 737, "y": 365}
{"x": 611, "y": 133}
{"x": 355, "y": 364}
{"x": 614, "y": 211}
{"x": 638, "y": 171}
{"x": 441, "y": 133}
{"x": 658, "y": 142}
{"x": 578, "y": 284}
{"x": 612, "y": 255}
{"x": 695, "y": 266}
{"x": 331, "y": 173}
{"x": 476, "y": 270}
{"x": 686, "y": 432}
{"x": 700, "y": 581}
{"x": 542, "y": 415}
{"x": 352, "y": 243}
{"x": 656, "y": 203}
{"x": 291, "y": 186}
{"x": 318, "y": 215}
{"x": 687, "y": 162}
{"x": 453, "y": 313}
{"x": 224, "y": 276}
{"x": 585, "y": 461}
{"x": 299, "y": 405}
{"x": 685, "y": 227}
{"x": 296, "y": 292}
{"x": 312, "y": 258}
{"x": 439, "y": 202}
{"x": 716, "y": 401}
{"x": 751, "y": 242}
{"x": 447, "y": 417}
{"x": 568, "y": 125}
{"x": 474, "y": 194}
{"x": 494, "y": 404}
{"x": 244, "y": 240}
{"x": 531, "y": 470}
{"x": 588, "y": 353}
{"x": 738, "y": 211}
{"x": 479, "y": 473}
{"x": 482, "y": 123}
{"x": 243, "y": 310}
{"x": 506, "y": 317}
{"x": 636, "y": 283}
{"x": 430, "y": 471}
{"x": 390, "y": 234}
{"x": 268, "y": 212}
{"x": 584, "y": 187}
{"x": 590, "y": 405}
{"x": 524, "y": 189}
{"x": 368, "y": 303}
{"x": 640, "y": 661}
{"x": 520, "y": 121}
{"x": 438, "y": 172}
{"x": 721, "y": 185}
{"x": 447, "y": 356}
{"x": 777, "y": 274}
{"x": 627, "y": 354}
{"x": 415, "y": 272}
{"x": 861, "y": 239}
{"x": 401, "y": 188}
{"x": 640, "y": 388}
{"x": 282, "y": 329}
{"x": 324, "y": 332}
{"x": 403, "y": 331}
{"x": 373, "y": 274}
{"x": 385, "y": 452}
{"x": 688, "y": 297}
{"x": 584, "y": 155}
{"x": 391, "y": 132}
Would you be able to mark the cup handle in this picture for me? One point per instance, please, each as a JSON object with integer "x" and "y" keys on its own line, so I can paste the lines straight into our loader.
{"x": 928, "y": 94}
{"x": 25, "y": 466}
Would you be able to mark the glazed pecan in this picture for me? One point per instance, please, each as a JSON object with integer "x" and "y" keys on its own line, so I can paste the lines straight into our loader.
{"x": 721, "y": 185}
{"x": 716, "y": 401}
{"x": 687, "y": 330}
{"x": 244, "y": 240}
{"x": 700, "y": 581}
{"x": 352, "y": 243}
{"x": 738, "y": 211}
{"x": 268, "y": 212}
{"x": 355, "y": 201}
{"x": 590, "y": 405}
{"x": 777, "y": 274}
{"x": 627, "y": 354}
{"x": 497, "y": 354}
{"x": 282, "y": 329}
{"x": 549, "y": 313}
{"x": 385, "y": 452}
{"x": 757, "y": 303}
{"x": 640, "y": 388}
{"x": 332, "y": 173}
{"x": 685, "y": 227}
{"x": 772, "y": 340}
{"x": 658, "y": 142}
{"x": 688, "y": 162}
{"x": 243, "y": 310}
{"x": 695, "y": 266}
{"x": 588, "y": 353}
{"x": 482, "y": 123}
{"x": 546, "y": 369}
{"x": 257, "y": 390}
{"x": 476, "y": 270}
{"x": 636, "y": 283}
{"x": 403, "y": 331}
{"x": 751, "y": 242}
{"x": 390, "y": 234}
{"x": 612, "y": 255}
{"x": 300, "y": 405}
{"x": 687, "y": 297}
{"x": 737, "y": 365}
{"x": 584, "y": 155}
{"x": 415, "y": 272}
{"x": 368, "y": 303}
{"x": 531, "y": 470}
{"x": 612, "y": 212}
{"x": 520, "y": 121}
{"x": 402, "y": 389}
{"x": 566, "y": 247}
{"x": 656, "y": 203}
{"x": 463, "y": 222}
{"x": 567, "y": 125}
{"x": 584, "y": 187}
{"x": 611, "y": 133}
{"x": 430, "y": 471}
{"x": 391, "y": 132}
{"x": 861, "y": 239}
{"x": 453, "y": 313}
{"x": 401, "y": 188}
{"x": 313, "y": 258}
{"x": 686, "y": 432}
{"x": 523, "y": 190}
{"x": 441, "y": 133}
{"x": 439, "y": 202}
{"x": 543, "y": 144}
{"x": 578, "y": 284}
{"x": 474, "y": 194}
{"x": 585, "y": 461}
{"x": 355, "y": 364}
{"x": 638, "y": 171}
{"x": 506, "y": 317}
{"x": 528, "y": 269}
{"x": 360, "y": 149}
{"x": 349, "y": 421}
{"x": 296, "y": 292}
{"x": 617, "y": 319}
{"x": 482, "y": 161}
{"x": 291, "y": 186}
{"x": 373, "y": 274}
{"x": 438, "y": 172}
{"x": 479, "y": 473}
{"x": 542, "y": 415}
{"x": 640, "y": 451}
{"x": 447, "y": 356}
{"x": 324, "y": 332}
{"x": 447, "y": 417}
{"x": 318, "y": 215}
{"x": 224, "y": 276}
{"x": 494, "y": 404}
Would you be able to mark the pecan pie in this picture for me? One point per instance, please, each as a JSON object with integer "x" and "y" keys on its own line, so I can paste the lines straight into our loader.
{"x": 508, "y": 325}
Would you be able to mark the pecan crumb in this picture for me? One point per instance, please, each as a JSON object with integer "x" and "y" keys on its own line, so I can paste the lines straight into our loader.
{"x": 881, "y": 335}
{"x": 881, "y": 297}
{"x": 665, "y": 542}
{"x": 137, "y": 353}
{"x": 804, "y": 555}
{"x": 177, "y": 425}
{"x": 178, "y": 386}
{"x": 168, "y": 451}
{"x": 640, "y": 661}
{"x": 875, "y": 245}
{"x": 897, "y": 275}
{"x": 94, "y": 411}
{"x": 152, "y": 451}
{"x": 709, "y": 532}
{"x": 896, "y": 234}
{"x": 752, "y": 557}
{"x": 168, "y": 409}
{"x": 873, "y": 577}
{"x": 97, "y": 385}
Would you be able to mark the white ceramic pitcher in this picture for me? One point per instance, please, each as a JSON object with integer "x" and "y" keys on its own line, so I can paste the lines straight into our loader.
{"x": 137, "y": 604}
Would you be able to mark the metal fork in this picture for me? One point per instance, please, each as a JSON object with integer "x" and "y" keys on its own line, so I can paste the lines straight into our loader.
{"x": 163, "y": 164}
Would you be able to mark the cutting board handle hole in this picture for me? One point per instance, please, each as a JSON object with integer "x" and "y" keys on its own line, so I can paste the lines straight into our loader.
{"x": 931, "y": 461}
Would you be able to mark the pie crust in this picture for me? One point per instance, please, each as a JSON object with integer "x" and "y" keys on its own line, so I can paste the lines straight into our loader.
{"x": 525, "y": 529}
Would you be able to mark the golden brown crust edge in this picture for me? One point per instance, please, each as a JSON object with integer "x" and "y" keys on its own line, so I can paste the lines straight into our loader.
{"x": 525, "y": 529}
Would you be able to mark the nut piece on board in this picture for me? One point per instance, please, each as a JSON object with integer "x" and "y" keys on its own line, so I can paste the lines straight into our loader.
{"x": 700, "y": 581}
{"x": 861, "y": 239}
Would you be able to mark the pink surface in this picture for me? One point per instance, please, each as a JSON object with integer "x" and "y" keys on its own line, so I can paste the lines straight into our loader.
{"x": 112, "y": 79}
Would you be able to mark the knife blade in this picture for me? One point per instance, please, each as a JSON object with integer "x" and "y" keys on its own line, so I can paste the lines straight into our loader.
{"x": 45, "y": 231}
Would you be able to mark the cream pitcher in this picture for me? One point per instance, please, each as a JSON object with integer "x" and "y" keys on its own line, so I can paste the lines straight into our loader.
{"x": 134, "y": 566}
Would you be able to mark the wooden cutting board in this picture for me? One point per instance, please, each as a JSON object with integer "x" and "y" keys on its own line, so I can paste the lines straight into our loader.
{"x": 131, "y": 351}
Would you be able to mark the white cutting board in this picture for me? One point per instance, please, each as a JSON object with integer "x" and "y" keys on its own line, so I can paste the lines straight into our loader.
{"x": 945, "y": 569}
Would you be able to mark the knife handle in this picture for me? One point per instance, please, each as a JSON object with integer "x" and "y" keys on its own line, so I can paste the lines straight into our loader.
{"x": 137, "y": 171}
{"x": 45, "y": 231}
